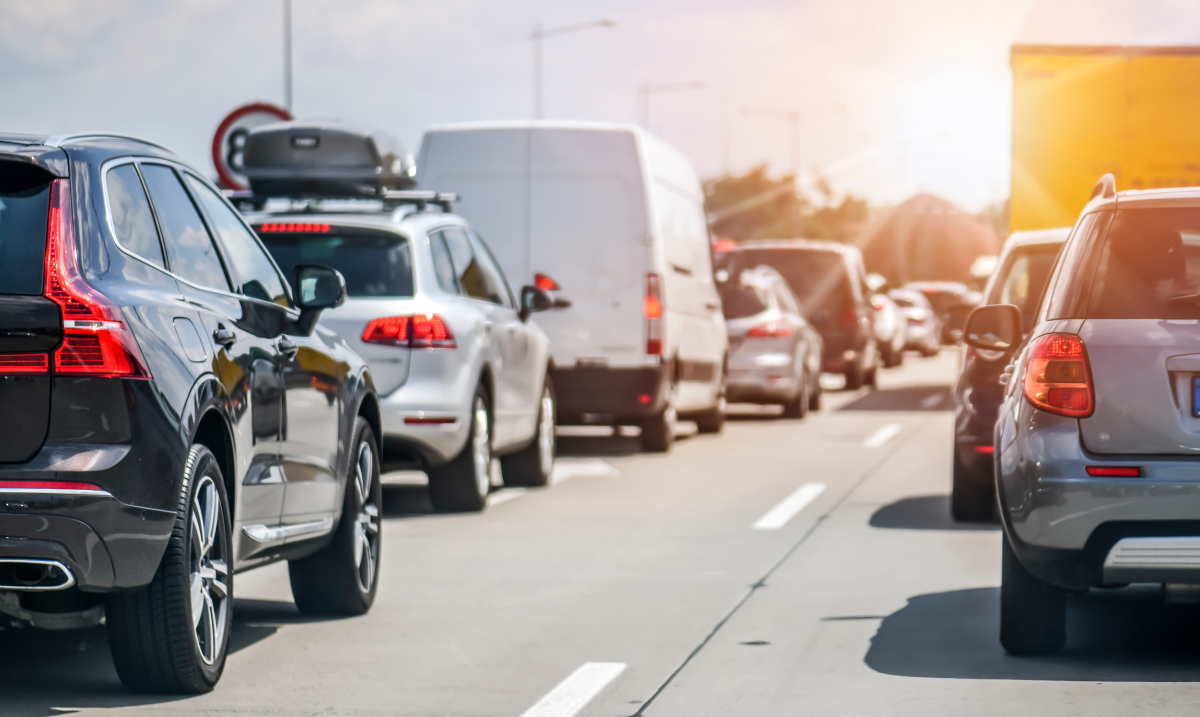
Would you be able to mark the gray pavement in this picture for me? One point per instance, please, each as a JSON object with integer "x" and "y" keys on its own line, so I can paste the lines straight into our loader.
{"x": 868, "y": 601}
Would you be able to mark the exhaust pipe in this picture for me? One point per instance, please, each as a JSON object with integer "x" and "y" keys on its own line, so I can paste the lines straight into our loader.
{"x": 32, "y": 574}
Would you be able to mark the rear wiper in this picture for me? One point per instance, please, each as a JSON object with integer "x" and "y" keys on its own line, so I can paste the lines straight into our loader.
{"x": 1185, "y": 299}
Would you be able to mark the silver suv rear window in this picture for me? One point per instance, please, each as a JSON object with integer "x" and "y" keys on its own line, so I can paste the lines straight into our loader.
{"x": 374, "y": 263}
{"x": 1148, "y": 266}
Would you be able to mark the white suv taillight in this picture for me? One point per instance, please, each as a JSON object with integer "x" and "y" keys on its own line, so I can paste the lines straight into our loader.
{"x": 96, "y": 341}
{"x": 419, "y": 331}
{"x": 652, "y": 307}
{"x": 1058, "y": 379}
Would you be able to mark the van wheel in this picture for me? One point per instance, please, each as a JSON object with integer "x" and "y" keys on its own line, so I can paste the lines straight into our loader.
{"x": 1033, "y": 614}
{"x": 531, "y": 466}
{"x": 971, "y": 500}
{"x": 172, "y": 635}
{"x": 658, "y": 431}
{"x": 462, "y": 484}
{"x": 341, "y": 578}
{"x": 713, "y": 420}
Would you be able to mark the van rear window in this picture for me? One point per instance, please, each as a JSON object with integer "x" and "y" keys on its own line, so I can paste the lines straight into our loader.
{"x": 374, "y": 263}
{"x": 24, "y": 207}
{"x": 1148, "y": 266}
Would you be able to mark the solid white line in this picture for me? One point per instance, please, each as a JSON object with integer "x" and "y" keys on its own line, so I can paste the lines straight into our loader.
{"x": 565, "y": 469}
{"x": 503, "y": 496}
{"x": 883, "y": 435}
{"x": 778, "y": 516}
{"x": 573, "y": 693}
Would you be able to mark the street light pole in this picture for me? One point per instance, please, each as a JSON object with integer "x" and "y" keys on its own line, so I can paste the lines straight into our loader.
{"x": 792, "y": 117}
{"x": 287, "y": 55}
{"x": 538, "y": 35}
{"x": 646, "y": 89}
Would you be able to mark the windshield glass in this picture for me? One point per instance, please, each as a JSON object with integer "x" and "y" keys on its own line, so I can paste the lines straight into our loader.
{"x": 1023, "y": 277}
{"x": 1149, "y": 266}
{"x": 374, "y": 263}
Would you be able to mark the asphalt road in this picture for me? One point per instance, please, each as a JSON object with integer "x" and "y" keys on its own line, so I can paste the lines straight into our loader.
{"x": 783, "y": 568}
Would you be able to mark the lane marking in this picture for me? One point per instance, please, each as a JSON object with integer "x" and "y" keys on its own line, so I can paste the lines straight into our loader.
{"x": 777, "y": 517}
{"x": 881, "y": 436}
{"x": 579, "y": 468}
{"x": 932, "y": 400}
{"x": 505, "y": 495}
{"x": 574, "y": 693}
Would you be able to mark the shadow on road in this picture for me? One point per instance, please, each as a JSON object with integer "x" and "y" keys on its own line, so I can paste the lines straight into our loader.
{"x": 44, "y": 673}
{"x": 926, "y": 512}
{"x": 909, "y": 398}
{"x": 400, "y": 501}
{"x": 1126, "y": 635}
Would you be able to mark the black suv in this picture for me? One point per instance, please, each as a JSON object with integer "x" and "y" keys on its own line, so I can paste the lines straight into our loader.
{"x": 831, "y": 285}
{"x": 170, "y": 413}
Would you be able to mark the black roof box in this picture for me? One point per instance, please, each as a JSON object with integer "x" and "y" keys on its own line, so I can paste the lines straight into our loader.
{"x": 324, "y": 159}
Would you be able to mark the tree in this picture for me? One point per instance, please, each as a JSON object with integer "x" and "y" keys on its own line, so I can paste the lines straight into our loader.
{"x": 755, "y": 206}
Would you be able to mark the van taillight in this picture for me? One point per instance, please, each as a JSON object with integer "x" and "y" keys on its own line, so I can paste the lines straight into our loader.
{"x": 652, "y": 307}
{"x": 96, "y": 341}
{"x": 1058, "y": 379}
{"x": 545, "y": 283}
{"x": 419, "y": 331}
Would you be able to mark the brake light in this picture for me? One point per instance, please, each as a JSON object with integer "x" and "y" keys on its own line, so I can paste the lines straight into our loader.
{"x": 24, "y": 363}
{"x": 545, "y": 283}
{"x": 652, "y": 307}
{"x": 21, "y": 485}
{"x": 771, "y": 329}
{"x": 850, "y": 318}
{"x": 1057, "y": 377}
{"x": 96, "y": 341}
{"x": 1114, "y": 471}
{"x": 294, "y": 227}
{"x": 420, "y": 331}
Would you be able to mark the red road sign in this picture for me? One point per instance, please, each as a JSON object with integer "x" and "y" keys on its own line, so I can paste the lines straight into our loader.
{"x": 230, "y": 139}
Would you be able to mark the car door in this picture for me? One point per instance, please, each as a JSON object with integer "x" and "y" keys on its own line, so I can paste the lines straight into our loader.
{"x": 476, "y": 283}
{"x": 241, "y": 337}
{"x": 311, "y": 376}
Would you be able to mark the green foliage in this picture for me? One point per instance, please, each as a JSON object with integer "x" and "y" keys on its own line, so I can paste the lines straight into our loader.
{"x": 755, "y": 206}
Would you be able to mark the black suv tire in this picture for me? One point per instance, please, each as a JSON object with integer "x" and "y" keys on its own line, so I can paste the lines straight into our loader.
{"x": 156, "y": 645}
{"x": 1033, "y": 613}
{"x": 971, "y": 500}
{"x": 342, "y": 577}
{"x": 531, "y": 466}
{"x": 458, "y": 486}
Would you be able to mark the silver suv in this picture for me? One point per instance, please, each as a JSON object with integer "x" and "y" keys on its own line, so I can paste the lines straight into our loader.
{"x": 1097, "y": 447}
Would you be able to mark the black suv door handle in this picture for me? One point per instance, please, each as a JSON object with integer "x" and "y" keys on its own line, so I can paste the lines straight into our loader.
{"x": 224, "y": 337}
{"x": 287, "y": 346}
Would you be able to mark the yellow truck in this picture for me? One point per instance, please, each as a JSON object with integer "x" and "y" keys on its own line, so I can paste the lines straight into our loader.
{"x": 1083, "y": 111}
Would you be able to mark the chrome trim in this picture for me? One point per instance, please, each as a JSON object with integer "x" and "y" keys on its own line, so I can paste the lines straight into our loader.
{"x": 59, "y": 140}
{"x": 271, "y": 534}
{"x": 1157, "y": 560}
{"x": 33, "y": 588}
{"x": 50, "y": 491}
{"x": 112, "y": 231}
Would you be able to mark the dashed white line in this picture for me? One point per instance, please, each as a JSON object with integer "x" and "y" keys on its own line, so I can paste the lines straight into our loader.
{"x": 881, "y": 436}
{"x": 778, "y": 516}
{"x": 588, "y": 467}
{"x": 503, "y": 496}
{"x": 574, "y": 693}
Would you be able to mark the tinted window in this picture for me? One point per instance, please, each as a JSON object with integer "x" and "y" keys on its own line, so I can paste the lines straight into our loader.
{"x": 442, "y": 266}
{"x": 784, "y": 299}
{"x": 1149, "y": 266}
{"x": 903, "y": 303}
{"x": 131, "y": 216}
{"x": 374, "y": 263}
{"x": 248, "y": 263}
{"x": 1070, "y": 282}
{"x": 497, "y": 284}
{"x": 24, "y": 206}
{"x": 1022, "y": 279}
{"x": 739, "y": 301}
{"x": 189, "y": 247}
{"x": 818, "y": 279}
{"x": 471, "y": 276}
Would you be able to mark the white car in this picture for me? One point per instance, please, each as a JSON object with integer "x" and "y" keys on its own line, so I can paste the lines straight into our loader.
{"x": 462, "y": 373}
{"x": 615, "y": 217}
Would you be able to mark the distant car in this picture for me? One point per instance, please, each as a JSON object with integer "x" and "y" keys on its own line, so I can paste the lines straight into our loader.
{"x": 924, "y": 327}
{"x": 613, "y": 218}
{"x": 1097, "y": 445}
{"x": 1023, "y": 269}
{"x": 891, "y": 330}
{"x": 463, "y": 372}
{"x": 829, "y": 281}
{"x": 945, "y": 297}
{"x": 171, "y": 412}
{"x": 774, "y": 353}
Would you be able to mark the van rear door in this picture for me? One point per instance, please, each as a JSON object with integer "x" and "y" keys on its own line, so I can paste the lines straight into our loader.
{"x": 30, "y": 324}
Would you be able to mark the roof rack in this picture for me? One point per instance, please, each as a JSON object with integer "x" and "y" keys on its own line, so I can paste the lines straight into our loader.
{"x": 59, "y": 140}
{"x": 390, "y": 198}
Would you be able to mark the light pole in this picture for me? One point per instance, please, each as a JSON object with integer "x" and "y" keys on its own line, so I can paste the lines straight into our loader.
{"x": 646, "y": 89}
{"x": 287, "y": 55}
{"x": 538, "y": 35}
{"x": 792, "y": 117}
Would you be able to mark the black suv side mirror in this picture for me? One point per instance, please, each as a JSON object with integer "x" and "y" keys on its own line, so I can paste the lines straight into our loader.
{"x": 994, "y": 328}
{"x": 317, "y": 288}
{"x": 534, "y": 299}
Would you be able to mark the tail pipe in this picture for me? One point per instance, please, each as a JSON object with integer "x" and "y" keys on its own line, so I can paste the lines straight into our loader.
{"x": 31, "y": 574}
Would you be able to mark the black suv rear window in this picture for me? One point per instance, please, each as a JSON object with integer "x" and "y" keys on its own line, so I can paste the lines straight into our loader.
{"x": 24, "y": 208}
{"x": 739, "y": 301}
{"x": 819, "y": 279}
{"x": 375, "y": 263}
{"x": 1148, "y": 266}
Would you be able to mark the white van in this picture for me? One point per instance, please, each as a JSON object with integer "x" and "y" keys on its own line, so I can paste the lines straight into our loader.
{"x": 613, "y": 219}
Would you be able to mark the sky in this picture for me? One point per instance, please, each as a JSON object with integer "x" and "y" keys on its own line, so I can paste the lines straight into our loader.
{"x": 896, "y": 96}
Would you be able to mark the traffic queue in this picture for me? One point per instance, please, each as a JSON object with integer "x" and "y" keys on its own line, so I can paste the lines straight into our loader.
{"x": 199, "y": 382}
